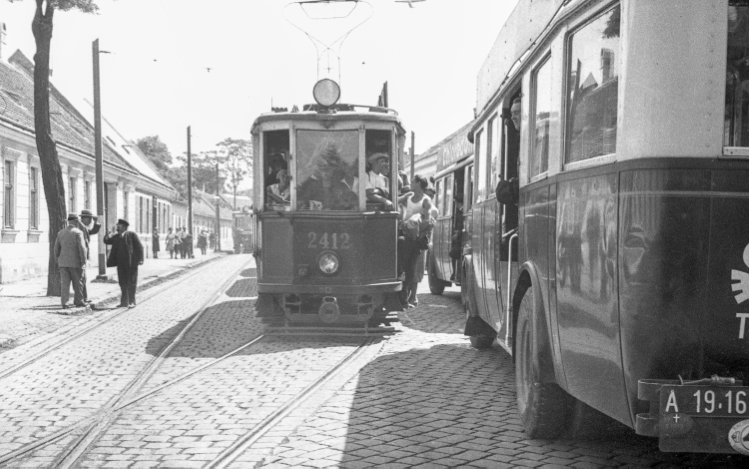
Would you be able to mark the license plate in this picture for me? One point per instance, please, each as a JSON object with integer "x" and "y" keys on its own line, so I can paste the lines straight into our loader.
{"x": 706, "y": 401}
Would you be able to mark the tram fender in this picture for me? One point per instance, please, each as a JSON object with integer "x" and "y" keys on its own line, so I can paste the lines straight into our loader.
{"x": 549, "y": 365}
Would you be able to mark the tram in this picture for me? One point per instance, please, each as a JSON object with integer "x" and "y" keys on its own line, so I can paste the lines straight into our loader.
{"x": 453, "y": 178}
{"x": 622, "y": 278}
{"x": 326, "y": 251}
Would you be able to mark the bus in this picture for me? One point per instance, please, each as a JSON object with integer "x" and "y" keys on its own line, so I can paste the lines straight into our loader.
{"x": 618, "y": 278}
{"x": 451, "y": 181}
{"x": 326, "y": 251}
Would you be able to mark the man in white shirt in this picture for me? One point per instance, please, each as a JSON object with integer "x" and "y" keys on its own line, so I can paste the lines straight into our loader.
{"x": 376, "y": 182}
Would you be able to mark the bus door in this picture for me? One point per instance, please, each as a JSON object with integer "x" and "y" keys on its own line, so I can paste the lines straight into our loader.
{"x": 492, "y": 225}
{"x": 445, "y": 227}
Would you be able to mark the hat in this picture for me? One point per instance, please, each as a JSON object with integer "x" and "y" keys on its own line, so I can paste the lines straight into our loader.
{"x": 376, "y": 156}
{"x": 86, "y": 213}
{"x": 123, "y": 222}
{"x": 72, "y": 217}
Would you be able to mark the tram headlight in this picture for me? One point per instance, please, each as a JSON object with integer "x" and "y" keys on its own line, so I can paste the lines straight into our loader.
{"x": 326, "y": 92}
{"x": 328, "y": 263}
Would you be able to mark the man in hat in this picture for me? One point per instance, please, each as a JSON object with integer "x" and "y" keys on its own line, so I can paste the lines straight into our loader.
{"x": 376, "y": 182}
{"x": 86, "y": 218}
{"x": 70, "y": 252}
{"x": 126, "y": 255}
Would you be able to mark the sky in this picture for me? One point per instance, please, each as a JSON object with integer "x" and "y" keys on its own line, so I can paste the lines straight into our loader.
{"x": 216, "y": 65}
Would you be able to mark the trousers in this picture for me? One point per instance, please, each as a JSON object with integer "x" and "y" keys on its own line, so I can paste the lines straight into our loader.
{"x": 128, "y": 279}
{"x": 72, "y": 275}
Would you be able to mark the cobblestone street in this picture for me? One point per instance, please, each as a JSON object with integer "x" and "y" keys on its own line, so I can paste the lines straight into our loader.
{"x": 190, "y": 379}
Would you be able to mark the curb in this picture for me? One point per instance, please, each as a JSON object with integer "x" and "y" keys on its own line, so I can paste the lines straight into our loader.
{"x": 153, "y": 281}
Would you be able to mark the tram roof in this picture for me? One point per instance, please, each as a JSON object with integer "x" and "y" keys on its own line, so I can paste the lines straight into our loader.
{"x": 340, "y": 112}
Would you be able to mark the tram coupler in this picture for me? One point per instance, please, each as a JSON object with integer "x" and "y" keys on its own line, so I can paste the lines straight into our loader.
{"x": 704, "y": 416}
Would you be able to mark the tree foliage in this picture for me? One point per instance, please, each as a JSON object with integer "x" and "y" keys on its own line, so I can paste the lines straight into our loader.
{"x": 157, "y": 153}
{"x": 237, "y": 154}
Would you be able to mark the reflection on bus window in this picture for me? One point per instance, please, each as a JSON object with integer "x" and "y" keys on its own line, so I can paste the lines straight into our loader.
{"x": 438, "y": 196}
{"x": 327, "y": 170}
{"x": 494, "y": 147}
{"x": 469, "y": 188}
{"x": 540, "y": 155}
{"x": 593, "y": 84}
{"x": 736, "y": 128}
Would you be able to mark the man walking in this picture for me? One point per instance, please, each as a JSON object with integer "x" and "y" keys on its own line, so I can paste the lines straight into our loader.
{"x": 86, "y": 217}
{"x": 126, "y": 255}
{"x": 70, "y": 252}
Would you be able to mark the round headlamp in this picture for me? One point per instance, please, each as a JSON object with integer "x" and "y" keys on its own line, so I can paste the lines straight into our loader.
{"x": 328, "y": 263}
{"x": 326, "y": 92}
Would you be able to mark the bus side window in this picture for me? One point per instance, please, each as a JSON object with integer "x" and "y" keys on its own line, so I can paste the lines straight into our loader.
{"x": 468, "y": 199}
{"x": 437, "y": 196}
{"x": 736, "y": 128}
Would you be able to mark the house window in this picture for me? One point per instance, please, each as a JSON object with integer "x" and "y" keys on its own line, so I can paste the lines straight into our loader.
{"x": 9, "y": 199}
{"x": 34, "y": 198}
{"x": 87, "y": 195}
{"x": 125, "y": 207}
{"x": 72, "y": 201}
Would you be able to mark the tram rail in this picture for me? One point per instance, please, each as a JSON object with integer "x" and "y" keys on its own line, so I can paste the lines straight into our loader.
{"x": 91, "y": 427}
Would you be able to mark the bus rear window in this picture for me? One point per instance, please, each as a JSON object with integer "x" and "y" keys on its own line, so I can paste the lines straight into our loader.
{"x": 736, "y": 121}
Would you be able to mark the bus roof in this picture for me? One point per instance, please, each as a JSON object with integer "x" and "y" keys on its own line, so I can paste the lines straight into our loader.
{"x": 341, "y": 112}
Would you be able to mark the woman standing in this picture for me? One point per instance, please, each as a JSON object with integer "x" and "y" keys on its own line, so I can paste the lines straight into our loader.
{"x": 155, "y": 244}
{"x": 171, "y": 243}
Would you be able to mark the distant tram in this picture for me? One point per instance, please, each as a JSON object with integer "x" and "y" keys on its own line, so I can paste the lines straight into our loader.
{"x": 618, "y": 278}
{"x": 326, "y": 255}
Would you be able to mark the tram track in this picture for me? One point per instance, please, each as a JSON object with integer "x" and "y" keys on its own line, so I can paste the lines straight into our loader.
{"x": 89, "y": 428}
{"x": 145, "y": 297}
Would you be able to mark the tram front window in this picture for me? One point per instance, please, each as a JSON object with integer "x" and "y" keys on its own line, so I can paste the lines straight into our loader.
{"x": 327, "y": 170}
{"x": 736, "y": 128}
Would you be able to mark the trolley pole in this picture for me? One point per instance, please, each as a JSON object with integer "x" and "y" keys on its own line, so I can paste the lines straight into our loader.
{"x": 189, "y": 183}
{"x": 413, "y": 154}
{"x": 98, "y": 152}
{"x": 218, "y": 212}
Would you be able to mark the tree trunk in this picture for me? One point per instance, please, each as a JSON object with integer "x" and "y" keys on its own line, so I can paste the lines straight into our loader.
{"x": 54, "y": 191}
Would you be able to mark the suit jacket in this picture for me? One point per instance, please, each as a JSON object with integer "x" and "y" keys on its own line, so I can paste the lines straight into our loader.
{"x": 70, "y": 248}
{"x": 127, "y": 250}
{"x": 87, "y": 234}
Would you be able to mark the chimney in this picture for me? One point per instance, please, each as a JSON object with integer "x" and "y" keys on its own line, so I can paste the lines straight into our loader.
{"x": 2, "y": 38}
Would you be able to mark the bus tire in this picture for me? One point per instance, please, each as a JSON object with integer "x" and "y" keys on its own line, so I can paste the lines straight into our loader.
{"x": 481, "y": 334}
{"x": 436, "y": 286}
{"x": 542, "y": 406}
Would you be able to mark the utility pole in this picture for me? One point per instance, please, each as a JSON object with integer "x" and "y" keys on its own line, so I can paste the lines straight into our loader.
{"x": 98, "y": 151}
{"x": 413, "y": 154}
{"x": 189, "y": 183}
{"x": 218, "y": 212}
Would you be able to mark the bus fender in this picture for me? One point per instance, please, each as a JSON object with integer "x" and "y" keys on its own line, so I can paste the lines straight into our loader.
{"x": 475, "y": 325}
{"x": 530, "y": 280}
{"x": 466, "y": 288}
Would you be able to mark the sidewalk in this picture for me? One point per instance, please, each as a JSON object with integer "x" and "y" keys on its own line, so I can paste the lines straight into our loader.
{"x": 26, "y": 311}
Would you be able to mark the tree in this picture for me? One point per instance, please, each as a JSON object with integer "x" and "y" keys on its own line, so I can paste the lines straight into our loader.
{"x": 54, "y": 191}
{"x": 157, "y": 153}
{"x": 237, "y": 156}
{"x": 204, "y": 171}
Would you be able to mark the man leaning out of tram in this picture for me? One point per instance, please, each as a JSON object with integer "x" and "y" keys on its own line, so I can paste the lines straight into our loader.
{"x": 376, "y": 182}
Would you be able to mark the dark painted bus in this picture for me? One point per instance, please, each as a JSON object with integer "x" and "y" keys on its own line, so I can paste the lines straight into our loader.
{"x": 619, "y": 277}
{"x": 453, "y": 178}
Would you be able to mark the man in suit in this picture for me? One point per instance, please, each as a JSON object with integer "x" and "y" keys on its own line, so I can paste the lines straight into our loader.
{"x": 126, "y": 255}
{"x": 70, "y": 252}
{"x": 86, "y": 218}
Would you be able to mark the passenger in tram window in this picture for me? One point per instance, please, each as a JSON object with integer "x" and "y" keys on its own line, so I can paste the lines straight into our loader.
{"x": 329, "y": 187}
{"x": 278, "y": 193}
{"x": 276, "y": 163}
{"x": 508, "y": 191}
{"x": 376, "y": 183}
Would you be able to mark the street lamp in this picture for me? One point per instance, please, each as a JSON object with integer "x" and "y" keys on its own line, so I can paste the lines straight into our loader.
{"x": 98, "y": 151}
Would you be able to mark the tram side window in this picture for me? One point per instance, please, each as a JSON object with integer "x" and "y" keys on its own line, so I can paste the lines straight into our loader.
{"x": 378, "y": 142}
{"x": 542, "y": 115}
{"x": 593, "y": 84}
{"x": 276, "y": 163}
{"x": 327, "y": 166}
{"x": 736, "y": 122}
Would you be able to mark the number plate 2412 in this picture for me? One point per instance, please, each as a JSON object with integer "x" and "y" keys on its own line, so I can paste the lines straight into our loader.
{"x": 706, "y": 401}
{"x": 334, "y": 241}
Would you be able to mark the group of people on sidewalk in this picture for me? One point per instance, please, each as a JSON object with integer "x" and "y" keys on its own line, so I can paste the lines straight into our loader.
{"x": 179, "y": 243}
{"x": 72, "y": 253}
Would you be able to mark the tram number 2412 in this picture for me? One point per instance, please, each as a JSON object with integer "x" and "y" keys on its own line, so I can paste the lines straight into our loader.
{"x": 333, "y": 241}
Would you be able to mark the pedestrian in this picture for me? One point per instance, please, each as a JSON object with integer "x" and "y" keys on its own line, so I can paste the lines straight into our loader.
{"x": 202, "y": 241}
{"x": 211, "y": 239}
{"x": 86, "y": 218}
{"x": 182, "y": 243}
{"x": 172, "y": 243}
{"x": 126, "y": 255}
{"x": 155, "y": 244}
{"x": 188, "y": 245}
{"x": 70, "y": 252}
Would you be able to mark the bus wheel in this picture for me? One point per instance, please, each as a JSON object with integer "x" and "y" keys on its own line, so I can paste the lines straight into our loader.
{"x": 542, "y": 406}
{"x": 479, "y": 336}
{"x": 436, "y": 286}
